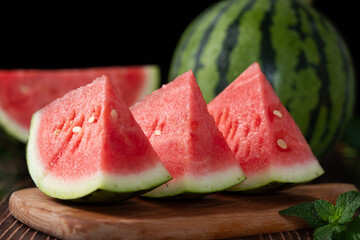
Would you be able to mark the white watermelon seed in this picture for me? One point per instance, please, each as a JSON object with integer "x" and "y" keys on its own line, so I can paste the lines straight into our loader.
{"x": 157, "y": 132}
{"x": 76, "y": 129}
{"x": 281, "y": 143}
{"x": 91, "y": 119}
{"x": 277, "y": 113}
{"x": 57, "y": 131}
{"x": 114, "y": 113}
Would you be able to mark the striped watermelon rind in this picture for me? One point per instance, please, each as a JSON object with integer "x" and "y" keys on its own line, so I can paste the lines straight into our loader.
{"x": 301, "y": 53}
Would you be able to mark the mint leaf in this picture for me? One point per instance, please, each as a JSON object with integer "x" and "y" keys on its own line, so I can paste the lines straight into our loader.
{"x": 346, "y": 205}
{"x": 330, "y": 231}
{"x": 324, "y": 232}
{"x": 325, "y": 210}
{"x": 345, "y": 198}
{"x": 305, "y": 210}
{"x": 331, "y": 221}
{"x": 352, "y": 231}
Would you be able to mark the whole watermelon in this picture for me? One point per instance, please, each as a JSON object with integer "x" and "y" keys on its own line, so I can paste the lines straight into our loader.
{"x": 299, "y": 50}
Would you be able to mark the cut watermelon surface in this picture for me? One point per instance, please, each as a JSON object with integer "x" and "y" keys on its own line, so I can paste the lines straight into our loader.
{"x": 87, "y": 141}
{"x": 176, "y": 121}
{"x": 24, "y": 91}
{"x": 266, "y": 141}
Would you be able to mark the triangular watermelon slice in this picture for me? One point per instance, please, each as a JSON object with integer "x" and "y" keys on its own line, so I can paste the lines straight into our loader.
{"x": 24, "y": 91}
{"x": 260, "y": 131}
{"x": 176, "y": 120}
{"x": 88, "y": 141}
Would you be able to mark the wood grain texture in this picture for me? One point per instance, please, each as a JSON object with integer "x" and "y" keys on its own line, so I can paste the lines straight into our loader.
{"x": 216, "y": 216}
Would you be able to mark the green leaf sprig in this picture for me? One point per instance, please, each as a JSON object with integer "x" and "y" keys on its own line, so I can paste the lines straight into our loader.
{"x": 331, "y": 221}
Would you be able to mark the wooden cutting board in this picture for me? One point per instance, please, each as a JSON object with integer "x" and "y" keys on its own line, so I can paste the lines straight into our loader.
{"x": 217, "y": 216}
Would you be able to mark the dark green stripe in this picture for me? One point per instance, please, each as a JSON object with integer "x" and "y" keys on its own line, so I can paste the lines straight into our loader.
{"x": 206, "y": 36}
{"x": 324, "y": 99}
{"x": 346, "y": 66}
{"x": 267, "y": 52}
{"x": 184, "y": 43}
{"x": 232, "y": 36}
{"x": 302, "y": 61}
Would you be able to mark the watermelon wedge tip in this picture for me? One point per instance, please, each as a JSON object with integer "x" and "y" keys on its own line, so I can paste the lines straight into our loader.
{"x": 265, "y": 139}
{"x": 176, "y": 121}
{"x": 87, "y": 146}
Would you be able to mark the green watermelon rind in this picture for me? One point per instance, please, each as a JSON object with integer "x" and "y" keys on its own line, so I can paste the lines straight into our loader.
{"x": 152, "y": 82}
{"x": 69, "y": 190}
{"x": 193, "y": 185}
{"x": 280, "y": 175}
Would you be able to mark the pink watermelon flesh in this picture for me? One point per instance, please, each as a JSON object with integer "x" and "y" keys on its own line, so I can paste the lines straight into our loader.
{"x": 265, "y": 139}
{"x": 23, "y": 92}
{"x": 90, "y": 135}
{"x": 176, "y": 120}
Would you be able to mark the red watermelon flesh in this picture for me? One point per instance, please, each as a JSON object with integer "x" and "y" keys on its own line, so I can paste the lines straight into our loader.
{"x": 24, "y": 91}
{"x": 176, "y": 120}
{"x": 89, "y": 140}
{"x": 265, "y": 139}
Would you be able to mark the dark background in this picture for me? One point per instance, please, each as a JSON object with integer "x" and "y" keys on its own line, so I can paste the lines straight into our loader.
{"x": 129, "y": 33}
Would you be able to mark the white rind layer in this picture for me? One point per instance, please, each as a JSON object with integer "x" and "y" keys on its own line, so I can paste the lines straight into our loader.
{"x": 59, "y": 188}
{"x": 213, "y": 182}
{"x": 148, "y": 179}
{"x": 299, "y": 173}
{"x": 13, "y": 128}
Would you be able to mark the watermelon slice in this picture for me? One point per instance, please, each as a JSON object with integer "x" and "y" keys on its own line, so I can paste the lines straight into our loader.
{"x": 88, "y": 141}
{"x": 176, "y": 120}
{"x": 263, "y": 136}
{"x": 23, "y": 92}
